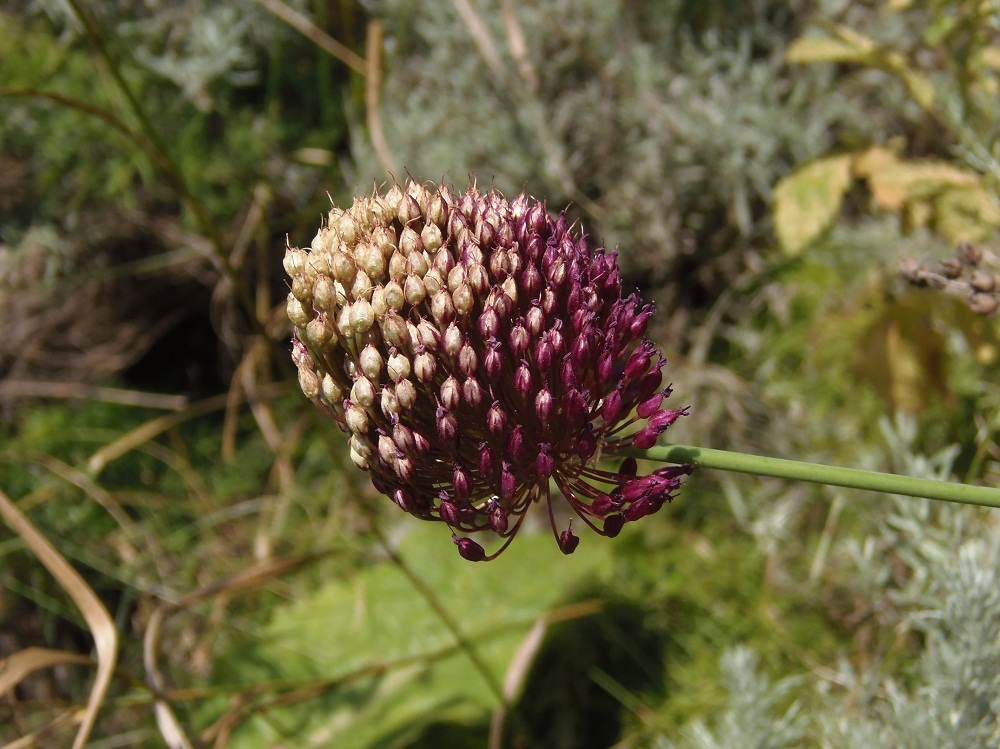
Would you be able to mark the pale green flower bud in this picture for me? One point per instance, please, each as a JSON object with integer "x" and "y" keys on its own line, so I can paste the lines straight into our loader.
{"x": 362, "y": 286}
{"x": 394, "y": 330}
{"x": 424, "y": 367}
{"x": 362, "y": 316}
{"x": 398, "y": 367}
{"x": 344, "y": 268}
{"x": 456, "y": 277}
{"x": 417, "y": 265}
{"x": 332, "y": 392}
{"x": 406, "y": 394}
{"x": 309, "y": 383}
{"x": 357, "y": 420}
{"x": 319, "y": 333}
{"x": 431, "y": 237}
{"x": 363, "y": 392}
{"x": 408, "y": 210}
{"x": 297, "y": 312}
{"x": 371, "y": 362}
{"x": 410, "y": 241}
{"x": 414, "y": 291}
{"x": 295, "y": 260}
{"x": 433, "y": 281}
{"x": 394, "y": 295}
{"x": 347, "y": 229}
{"x": 324, "y": 294}
{"x": 398, "y": 266}
{"x": 463, "y": 299}
{"x": 379, "y": 304}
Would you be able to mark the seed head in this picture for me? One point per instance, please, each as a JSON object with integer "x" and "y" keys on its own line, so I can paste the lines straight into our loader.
{"x": 479, "y": 351}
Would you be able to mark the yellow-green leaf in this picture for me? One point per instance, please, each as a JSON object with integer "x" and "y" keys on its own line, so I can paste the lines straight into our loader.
{"x": 811, "y": 49}
{"x": 807, "y": 201}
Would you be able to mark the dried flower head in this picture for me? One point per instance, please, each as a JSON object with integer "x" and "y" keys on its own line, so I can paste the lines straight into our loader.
{"x": 971, "y": 274}
{"x": 478, "y": 350}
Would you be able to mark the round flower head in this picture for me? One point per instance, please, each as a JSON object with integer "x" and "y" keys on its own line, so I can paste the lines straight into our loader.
{"x": 478, "y": 351}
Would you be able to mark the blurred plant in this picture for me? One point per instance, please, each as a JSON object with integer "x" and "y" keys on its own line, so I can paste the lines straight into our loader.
{"x": 666, "y": 132}
{"x": 947, "y": 55}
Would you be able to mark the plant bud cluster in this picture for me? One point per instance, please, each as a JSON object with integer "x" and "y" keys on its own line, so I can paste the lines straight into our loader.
{"x": 970, "y": 274}
{"x": 477, "y": 350}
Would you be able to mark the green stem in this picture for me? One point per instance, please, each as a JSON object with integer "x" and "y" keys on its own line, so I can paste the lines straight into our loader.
{"x": 816, "y": 473}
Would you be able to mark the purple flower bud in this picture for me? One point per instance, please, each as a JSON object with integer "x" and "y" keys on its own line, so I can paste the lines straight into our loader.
{"x": 544, "y": 404}
{"x": 496, "y": 420}
{"x": 489, "y": 323}
{"x": 508, "y": 482}
{"x": 649, "y": 406}
{"x": 535, "y": 320}
{"x": 516, "y": 443}
{"x": 447, "y": 425}
{"x": 531, "y": 281}
{"x": 523, "y": 384}
{"x": 568, "y": 541}
{"x": 642, "y": 507}
{"x": 580, "y": 353}
{"x": 486, "y": 460}
{"x": 603, "y": 504}
{"x": 612, "y": 410}
{"x": 493, "y": 358}
{"x": 497, "y": 515}
{"x": 520, "y": 339}
{"x": 544, "y": 462}
{"x": 544, "y": 354}
{"x": 404, "y": 499}
{"x": 462, "y": 480}
{"x": 469, "y": 549}
{"x": 575, "y": 407}
{"x": 472, "y": 392}
{"x": 449, "y": 511}
{"x": 403, "y": 467}
{"x": 629, "y": 467}
{"x": 645, "y": 438}
{"x": 451, "y": 393}
{"x": 613, "y": 525}
{"x": 638, "y": 363}
{"x": 402, "y": 435}
{"x": 467, "y": 360}
{"x": 605, "y": 368}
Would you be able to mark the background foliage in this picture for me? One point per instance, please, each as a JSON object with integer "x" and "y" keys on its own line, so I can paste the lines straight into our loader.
{"x": 762, "y": 167}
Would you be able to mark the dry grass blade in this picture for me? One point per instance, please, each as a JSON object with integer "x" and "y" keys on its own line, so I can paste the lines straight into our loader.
{"x": 16, "y": 667}
{"x": 373, "y": 84}
{"x": 315, "y": 34}
{"x": 149, "y": 430}
{"x": 83, "y": 391}
{"x": 481, "y": 37}
{"x": 102, "y": 627}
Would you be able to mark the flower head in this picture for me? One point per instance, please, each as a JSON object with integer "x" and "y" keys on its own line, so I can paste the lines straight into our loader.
{"x": 478, "y": 351}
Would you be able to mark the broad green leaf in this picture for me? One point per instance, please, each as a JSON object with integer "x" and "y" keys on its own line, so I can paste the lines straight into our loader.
{"x": 399, "y": 665}
{"x": 807, "y": 201}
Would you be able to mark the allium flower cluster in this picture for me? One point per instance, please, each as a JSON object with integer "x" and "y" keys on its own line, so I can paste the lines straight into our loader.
{"x": 478, "y": 351}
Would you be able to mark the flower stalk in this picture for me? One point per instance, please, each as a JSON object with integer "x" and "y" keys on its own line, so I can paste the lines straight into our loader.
{"x": 816, "y": 473}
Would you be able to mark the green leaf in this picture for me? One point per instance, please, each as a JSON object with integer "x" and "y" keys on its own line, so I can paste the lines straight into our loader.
{"x": 807, "y": 201}
{"x": 400, "y": 668}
